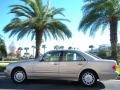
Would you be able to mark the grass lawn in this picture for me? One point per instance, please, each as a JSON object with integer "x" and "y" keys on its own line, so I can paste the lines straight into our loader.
{"x": 3, "y": 64}
{"x": 7, "y": 61}
{"x": 118, "y": 69}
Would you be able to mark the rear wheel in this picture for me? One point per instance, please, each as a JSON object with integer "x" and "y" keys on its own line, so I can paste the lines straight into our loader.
{"x": 18, "y": 76}
{"x": 88, "y": 78}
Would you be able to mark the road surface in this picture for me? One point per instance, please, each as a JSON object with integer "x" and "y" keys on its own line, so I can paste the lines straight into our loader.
{"x": 6, "y": 83}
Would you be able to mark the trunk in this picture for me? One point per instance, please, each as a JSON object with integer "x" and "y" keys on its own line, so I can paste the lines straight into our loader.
{"x": 33, "y": 52}
{"x": 113, "y": 37}
{"x": 38, "y": 42}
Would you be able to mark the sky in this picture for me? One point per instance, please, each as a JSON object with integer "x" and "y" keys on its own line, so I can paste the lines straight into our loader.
{"x": 72, "y": 12}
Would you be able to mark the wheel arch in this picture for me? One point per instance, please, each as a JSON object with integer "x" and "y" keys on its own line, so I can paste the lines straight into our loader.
{"x": 88, "y": 69}
{"x": 18, "y": 68}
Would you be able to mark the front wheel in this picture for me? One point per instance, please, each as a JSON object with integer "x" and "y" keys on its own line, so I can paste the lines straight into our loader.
{"x": 88, "y": 78}
{"x": 18, "y": 76}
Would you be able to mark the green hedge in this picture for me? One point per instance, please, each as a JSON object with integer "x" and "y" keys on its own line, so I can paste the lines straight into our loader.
{"x": 3, "y": 64}
{"x": 118, "y": 69}
{"x": 7, "y": 61}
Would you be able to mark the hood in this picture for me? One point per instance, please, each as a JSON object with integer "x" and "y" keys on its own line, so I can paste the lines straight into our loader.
{"x": 22, "y": 63}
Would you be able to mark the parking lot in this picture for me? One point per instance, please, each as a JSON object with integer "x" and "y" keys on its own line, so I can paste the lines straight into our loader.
{"x": 6, "y": 83}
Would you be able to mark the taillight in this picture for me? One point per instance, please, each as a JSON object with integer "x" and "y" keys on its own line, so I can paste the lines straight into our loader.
{"x": 114, "y": 67}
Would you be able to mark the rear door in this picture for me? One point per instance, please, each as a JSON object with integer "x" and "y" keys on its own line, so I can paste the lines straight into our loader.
{"x": 71, "y": 64}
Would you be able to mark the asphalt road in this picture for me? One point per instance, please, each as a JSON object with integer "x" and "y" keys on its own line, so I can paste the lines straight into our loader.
{"x": 6, "y": 83}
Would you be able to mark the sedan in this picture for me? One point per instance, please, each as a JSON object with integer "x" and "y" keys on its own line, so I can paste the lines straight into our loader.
{"x": 63, "y": 65}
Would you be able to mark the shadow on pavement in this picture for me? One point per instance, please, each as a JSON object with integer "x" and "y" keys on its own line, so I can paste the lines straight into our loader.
{"x": 47, "y": 85}
{"x": 98, "y": 85}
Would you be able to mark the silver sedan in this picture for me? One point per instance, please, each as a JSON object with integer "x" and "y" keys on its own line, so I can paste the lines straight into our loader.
{"x": 63, "y": 65}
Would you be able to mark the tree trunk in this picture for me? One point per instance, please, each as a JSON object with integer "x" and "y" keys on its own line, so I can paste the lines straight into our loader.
{"x": 113, "y": 37}
{"x": 38, "y": 42}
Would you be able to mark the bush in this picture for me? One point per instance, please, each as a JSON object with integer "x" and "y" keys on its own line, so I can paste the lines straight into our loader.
{"x": 3, "y": 64}
{"x": 118, "y": 69}
{"x": 7, "y": 61}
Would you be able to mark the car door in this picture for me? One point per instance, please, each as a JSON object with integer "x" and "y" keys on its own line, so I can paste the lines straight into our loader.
{"x": 71, "y": 64}
{"x": 48, "y": 66}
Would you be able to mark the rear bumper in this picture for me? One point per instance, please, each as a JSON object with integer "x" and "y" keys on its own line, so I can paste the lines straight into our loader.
{"x": 107, "y": 76}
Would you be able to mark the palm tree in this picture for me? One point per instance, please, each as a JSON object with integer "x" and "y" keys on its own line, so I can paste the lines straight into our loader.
{"x": 61, "y": 47}
{"x": 56, "y": 47}
{"x": 39, "y": 20}
{"x": 33, "y": 49}
{"x": 26, "y": 53}
{"x": 19, "y": 51}
{"x": 91, "y": 47}
{"x": 3, "y": 51}
{"x": 20, "y": 48}
{"x": 44, "y": 47}
{"x": 99, "y": 14}
{"x": 26, "y": 49}
{"x": 70, "y": 48}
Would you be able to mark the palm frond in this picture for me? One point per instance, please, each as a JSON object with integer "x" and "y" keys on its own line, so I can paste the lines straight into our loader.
{"x": 21, "y": 10}
{"x": 37, "y": 17}
{"x": 58, "y": 28}
{"x": 57, "y": 11}
{"x": 97, "y": 14}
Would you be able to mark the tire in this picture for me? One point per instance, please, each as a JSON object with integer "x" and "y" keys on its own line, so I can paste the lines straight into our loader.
{"x": 88, "y": 78}
{"x": 18, "y": 76}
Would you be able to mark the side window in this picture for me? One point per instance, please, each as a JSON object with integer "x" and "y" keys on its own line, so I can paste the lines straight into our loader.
{"x": 72, "y": 56}
{"x": 52, "y": 56}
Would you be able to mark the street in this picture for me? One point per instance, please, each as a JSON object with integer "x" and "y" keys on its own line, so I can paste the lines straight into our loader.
{"x": 6, "y": 83}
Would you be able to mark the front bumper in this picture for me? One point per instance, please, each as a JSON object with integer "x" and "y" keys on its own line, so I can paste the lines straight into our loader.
{"x": 7, "y": 73}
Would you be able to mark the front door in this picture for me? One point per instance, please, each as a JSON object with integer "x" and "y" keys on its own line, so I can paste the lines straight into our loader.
{"x": 49, "y": 65}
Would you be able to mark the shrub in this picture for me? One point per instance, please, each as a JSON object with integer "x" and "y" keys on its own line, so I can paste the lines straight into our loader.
{"x": 3, "y": 64}
{"x": 118, "y": 69}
